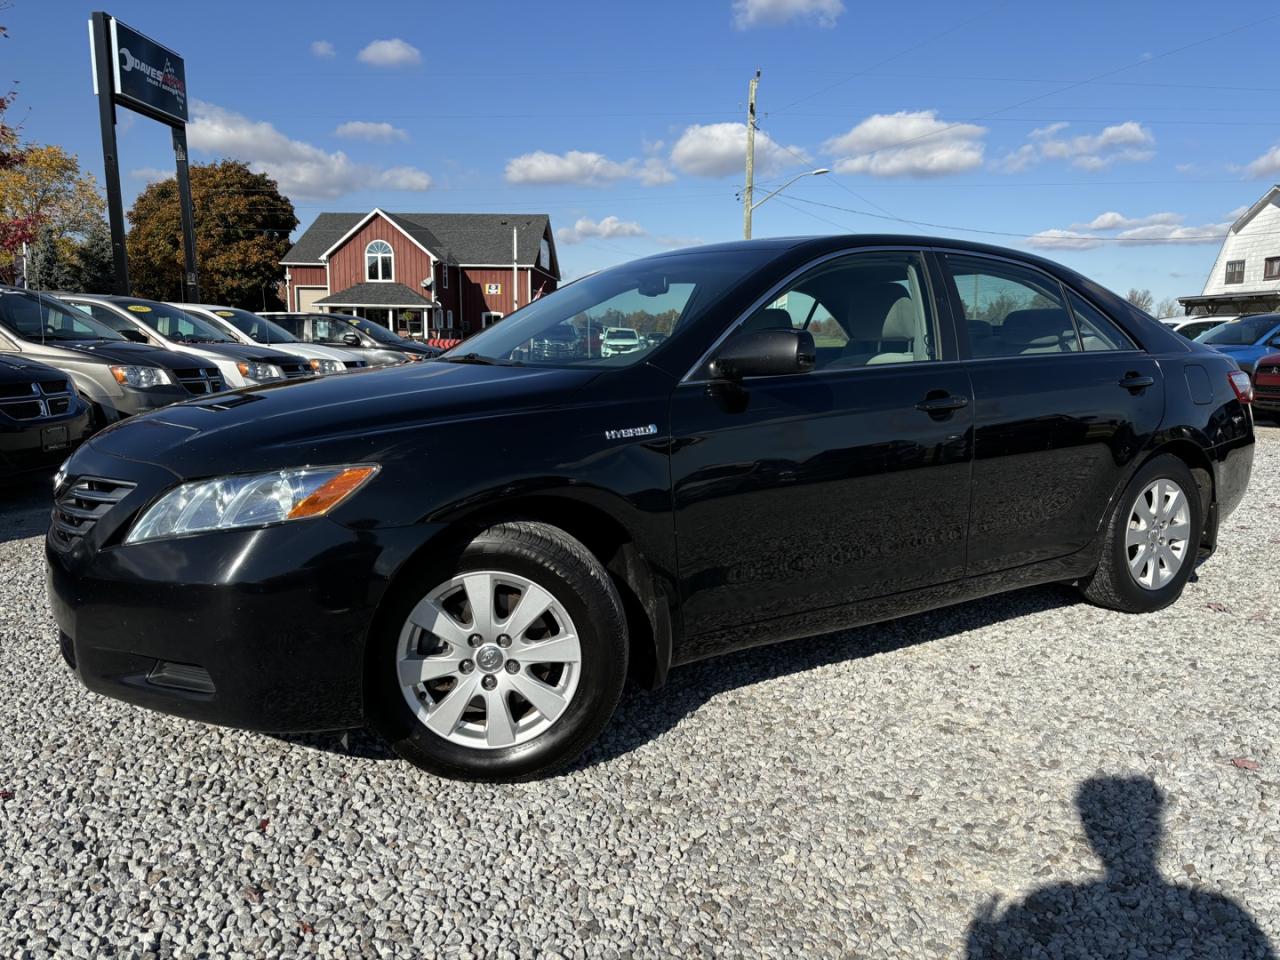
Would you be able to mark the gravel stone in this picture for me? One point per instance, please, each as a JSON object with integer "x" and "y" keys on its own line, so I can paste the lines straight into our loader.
{"x": 937, "y": 786}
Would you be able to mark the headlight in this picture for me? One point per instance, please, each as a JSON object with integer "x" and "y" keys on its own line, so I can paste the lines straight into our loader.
{"x": 327, "y": 366}
{"x": 131, "y": 376}
{"x": 253, "y": 370}
{"x": 414, "y": 357}
{"x": 253, "y": 500}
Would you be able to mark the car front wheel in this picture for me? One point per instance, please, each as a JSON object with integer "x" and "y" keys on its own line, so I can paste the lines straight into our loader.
{"x": 1151, "y": 541}
{"x": 508, "y": 665}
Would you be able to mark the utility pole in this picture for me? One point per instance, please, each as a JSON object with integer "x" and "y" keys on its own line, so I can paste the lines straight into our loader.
{"x": 751, "y": 156}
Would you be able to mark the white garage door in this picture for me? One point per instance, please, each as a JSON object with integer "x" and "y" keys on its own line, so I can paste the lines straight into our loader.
{"x": 307, "y": 297}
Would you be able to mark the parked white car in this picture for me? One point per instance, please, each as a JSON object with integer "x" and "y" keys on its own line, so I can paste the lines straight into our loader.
{"x": 162, "y": 325}
{"x": 619, "y": 340}
{"x": 1192, "y": 327}
{"x": 249, "y": 328}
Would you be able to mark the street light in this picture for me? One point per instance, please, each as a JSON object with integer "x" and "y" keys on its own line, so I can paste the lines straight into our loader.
{"x": 800, "y": 176}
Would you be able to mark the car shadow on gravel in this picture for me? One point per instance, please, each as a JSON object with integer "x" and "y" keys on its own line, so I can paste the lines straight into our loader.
{"x": 645, "y": 715}
{"x": 1131, "y": 911}
{"x": 24, "y": 509}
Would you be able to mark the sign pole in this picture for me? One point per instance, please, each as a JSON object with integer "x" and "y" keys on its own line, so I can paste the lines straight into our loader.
{"x": 190, "y": 277}
{"x": 103, "y": 58}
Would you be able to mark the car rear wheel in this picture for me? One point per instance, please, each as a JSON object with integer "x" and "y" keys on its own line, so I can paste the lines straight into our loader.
{"x": 1151, "y": 541}
{"x": 510, "y": 662}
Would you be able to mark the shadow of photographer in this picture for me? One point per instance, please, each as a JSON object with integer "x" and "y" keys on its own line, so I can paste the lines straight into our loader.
{"x": 1131, "y": 911}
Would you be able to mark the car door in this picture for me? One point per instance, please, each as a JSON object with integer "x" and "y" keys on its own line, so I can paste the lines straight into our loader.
{"x": 1064, "y": 401}
{"x": 797, "y": 495}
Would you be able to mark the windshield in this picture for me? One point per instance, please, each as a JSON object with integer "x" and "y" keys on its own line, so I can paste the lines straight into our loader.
{"x": 41, "y": 318}
{"x": 1239, "y": 333}
{"x": 375, "y": 330}
{"x": 257, "y": 328}
{"x": 642, "y": 303}
{"x": 172, "y": 323}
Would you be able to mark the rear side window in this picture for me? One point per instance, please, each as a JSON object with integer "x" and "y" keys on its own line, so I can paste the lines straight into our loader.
{"x": 1011, "y": 311}
{"x": 292, "y": 324}
{"x": 1097, "y": 331}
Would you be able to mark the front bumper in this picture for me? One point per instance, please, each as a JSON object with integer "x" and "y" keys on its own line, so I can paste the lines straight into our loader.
{"x": 134, "y": 401}
{"x": 26, "y": 447}
{"x": 276, "y": 617}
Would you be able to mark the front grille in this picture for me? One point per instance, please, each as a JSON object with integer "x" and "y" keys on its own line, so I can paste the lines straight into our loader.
{"x": 1264, "y": 390}
{"x": 78, "y": 508}
{"x": 36, "y": 401}
{"x": 201, "y": 380}
{"x": 296, "y": 371}
{"x": 1270, "y": 369}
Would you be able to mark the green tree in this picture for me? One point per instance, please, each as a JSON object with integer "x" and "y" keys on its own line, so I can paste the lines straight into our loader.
{"x": 47, "y": 266}
{"x": 93, "y": 269}
{"x": 242, "y": 225}
{"x": 1142, "y": 299}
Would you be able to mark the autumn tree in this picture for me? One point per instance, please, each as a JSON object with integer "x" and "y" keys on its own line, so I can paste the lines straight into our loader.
{"x": 15, "y": 230}
{"x": 242, "y": 225}
{"x": 46, "y": 189}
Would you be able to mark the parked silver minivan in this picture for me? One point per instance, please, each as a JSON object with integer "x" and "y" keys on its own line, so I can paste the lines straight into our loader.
{"x": 116, "y": 377}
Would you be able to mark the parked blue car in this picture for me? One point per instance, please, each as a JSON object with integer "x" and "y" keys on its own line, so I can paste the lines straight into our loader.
{"x": 1245, "y": 339}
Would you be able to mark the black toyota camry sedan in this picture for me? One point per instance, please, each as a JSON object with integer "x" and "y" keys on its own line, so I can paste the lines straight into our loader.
{"x": 473, "y": 554}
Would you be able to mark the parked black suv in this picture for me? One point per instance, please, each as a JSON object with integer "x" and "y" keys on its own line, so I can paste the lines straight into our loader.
{"x": 42, "y": 418}
{"x": 474, "y": 553}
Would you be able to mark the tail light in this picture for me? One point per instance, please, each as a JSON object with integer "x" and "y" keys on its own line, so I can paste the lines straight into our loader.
{"x": 1242, "y": 385}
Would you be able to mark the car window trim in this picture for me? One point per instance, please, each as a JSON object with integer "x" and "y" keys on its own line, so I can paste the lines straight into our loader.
{"x": 773, "y": 293}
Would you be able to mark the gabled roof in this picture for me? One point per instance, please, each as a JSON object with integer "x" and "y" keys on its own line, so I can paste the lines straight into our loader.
{"x": 1268, "y": 197}
{"x": 462, "y": 238}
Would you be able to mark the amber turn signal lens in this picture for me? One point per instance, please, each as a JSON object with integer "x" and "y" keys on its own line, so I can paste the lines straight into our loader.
{"x": 332, "y": 493}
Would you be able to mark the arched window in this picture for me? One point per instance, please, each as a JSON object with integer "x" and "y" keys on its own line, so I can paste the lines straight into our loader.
{"x": 377, "y": 261}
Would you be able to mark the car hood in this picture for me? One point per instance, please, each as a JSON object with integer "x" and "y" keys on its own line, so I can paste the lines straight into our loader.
{"x": 126, "y": 351}
{"x": 17, "y": 370}
{"x": 244, "y": 351}
{"x": 364, "y": 416}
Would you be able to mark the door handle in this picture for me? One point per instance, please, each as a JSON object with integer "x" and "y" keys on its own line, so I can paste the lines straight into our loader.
{"x": 943, "y": 404}
{"x": 1136, "y": 381}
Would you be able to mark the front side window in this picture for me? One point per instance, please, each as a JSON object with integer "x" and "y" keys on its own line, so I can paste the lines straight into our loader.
{"x": 1235, "y": 271}
{"x": 1010, "y": 310}
{"x": 862, "y": 310}
{"x": 378, "y": 261}
{"x": 331, "y": 331}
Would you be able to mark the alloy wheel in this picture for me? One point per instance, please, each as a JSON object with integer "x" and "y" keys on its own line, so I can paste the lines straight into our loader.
{"x": 1158, "y": 533}
{"x": 488, "y": 660}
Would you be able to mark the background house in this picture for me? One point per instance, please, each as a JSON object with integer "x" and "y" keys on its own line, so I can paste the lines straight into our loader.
{"x": 1246, "y": 276}
{"x": 425, "y": 274}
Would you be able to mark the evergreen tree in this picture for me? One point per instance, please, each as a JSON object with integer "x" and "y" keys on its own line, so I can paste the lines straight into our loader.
{"x": 93, "y": 270}
{"x": 47, "y": 267}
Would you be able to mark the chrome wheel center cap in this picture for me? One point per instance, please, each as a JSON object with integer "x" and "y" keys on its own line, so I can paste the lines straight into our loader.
{"x": 489, "y": 658}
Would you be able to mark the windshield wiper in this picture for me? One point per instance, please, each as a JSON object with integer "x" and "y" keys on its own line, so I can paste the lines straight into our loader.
{"x": 484, "y": 361}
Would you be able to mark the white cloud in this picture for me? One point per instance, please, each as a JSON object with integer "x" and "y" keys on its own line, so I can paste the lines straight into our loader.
{"x": 907, "y": 144}
{"x": 301, "y": 169}
{"x": 1064, "y": 240}
{"x": 584, "y": 168}
{"x": 323, "y": 49}
{"x": 375, "y": 132}
{"x": 1267, "y": 165}
{"x": 1154, "y": 229}
{"x": 605, "y": 229}
{"x": 152, "y": 174}
{"x": 390, "y": 53}
{"x": 751, "y": 13}
{"x": 1111, "y": 220}
{"x": 719, "y": 149}
{"x": 1128, "y": 142}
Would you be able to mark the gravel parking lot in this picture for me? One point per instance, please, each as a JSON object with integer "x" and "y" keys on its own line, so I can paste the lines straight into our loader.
{"x": 939, "y": 786}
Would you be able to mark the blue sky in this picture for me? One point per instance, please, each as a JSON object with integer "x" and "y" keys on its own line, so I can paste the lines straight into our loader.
{"x": 1116, "y": 137}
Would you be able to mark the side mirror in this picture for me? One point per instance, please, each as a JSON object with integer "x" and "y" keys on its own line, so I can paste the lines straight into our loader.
{"x": 351, "y": 339}
{"x": 765, "y": 353}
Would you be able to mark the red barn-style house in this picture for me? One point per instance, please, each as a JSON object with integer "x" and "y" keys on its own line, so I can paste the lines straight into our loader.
{"x": 422, "y": 274}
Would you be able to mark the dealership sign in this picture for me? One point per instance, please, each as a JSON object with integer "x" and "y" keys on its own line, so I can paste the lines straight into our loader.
{"x": 147, "y": 76}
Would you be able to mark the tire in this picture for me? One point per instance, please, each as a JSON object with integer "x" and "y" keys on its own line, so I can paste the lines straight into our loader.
{"x": 460, "y": 654}
{"x": 1131, "y": 576}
